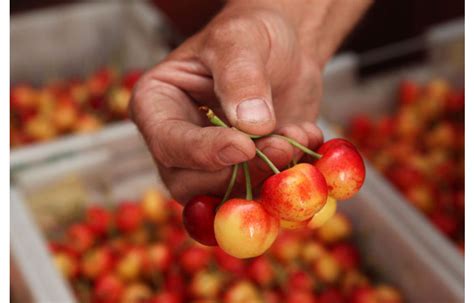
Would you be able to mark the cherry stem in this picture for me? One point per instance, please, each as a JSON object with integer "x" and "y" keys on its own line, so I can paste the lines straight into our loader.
{"x": 267, "y": 161}
{"x": 248, "y": 182}
{"x": 233, "y": 177}
{"x": 299, "y": 146}
{"x": 215, "y": 120}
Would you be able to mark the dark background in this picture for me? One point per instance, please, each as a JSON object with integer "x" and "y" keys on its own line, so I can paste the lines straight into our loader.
{"x": 386, "y": 22}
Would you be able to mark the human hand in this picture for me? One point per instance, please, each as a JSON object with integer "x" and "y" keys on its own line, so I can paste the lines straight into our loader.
{"x": 258, "y": 65}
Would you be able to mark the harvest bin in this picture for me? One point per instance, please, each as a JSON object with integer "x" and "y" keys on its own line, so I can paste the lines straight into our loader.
{"x": 75, "y": 40}
{"x": 348, "y": 94}
{"x": 46, "y": 197}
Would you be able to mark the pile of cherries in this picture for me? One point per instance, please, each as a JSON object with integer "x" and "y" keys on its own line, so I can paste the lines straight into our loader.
{"x": 139, "y": 252}
{"x": 419, "y": 147}
{"x": 69, "y": 106}
{"x": 301, "y": 196}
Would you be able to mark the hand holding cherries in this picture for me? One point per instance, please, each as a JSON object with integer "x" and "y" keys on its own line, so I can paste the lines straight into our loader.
{"x": 302, "y": 195}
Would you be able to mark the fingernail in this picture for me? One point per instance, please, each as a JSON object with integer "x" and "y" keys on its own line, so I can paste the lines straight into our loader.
{"x": 254, "y": 110}
{"x": 230, "y": 155}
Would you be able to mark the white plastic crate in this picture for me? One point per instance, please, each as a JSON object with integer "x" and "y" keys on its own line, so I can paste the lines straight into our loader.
{"x": 347, "y": 95}
{"x": 75, "y": 40}
{"x": 106, "y": 176}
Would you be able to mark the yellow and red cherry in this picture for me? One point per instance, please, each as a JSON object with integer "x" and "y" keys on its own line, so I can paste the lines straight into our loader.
{"x": 342, "y": 167}
{"x": 244, "y": 229}
{"x": 295, "y": 194}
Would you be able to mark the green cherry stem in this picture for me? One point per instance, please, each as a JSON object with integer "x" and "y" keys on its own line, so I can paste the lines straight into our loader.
{"x": 215, "y": 120}
{"x": 233, "y": 177}
{"x": 248, "y": 182}
{"x": 267, "y": 161}
{"x": 299, "y": 146}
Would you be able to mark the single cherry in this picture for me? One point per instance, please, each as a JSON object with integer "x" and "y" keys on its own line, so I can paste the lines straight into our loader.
{"x": 342, "y": 167}
{"x": 244, "y": 229}
{"x": 198, "y": 219}
{"x": 295, "y": 194}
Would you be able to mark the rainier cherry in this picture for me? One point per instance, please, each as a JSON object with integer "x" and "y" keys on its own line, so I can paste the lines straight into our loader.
{"x": 342, "y": 167}
{"x": 96, "y": 262}
{"x": 136, "y": 292}
{"x": 324, "y": 214}
{"x": 295, "y": 194}
{"x": 81, "y": 237}
{"x": 66, "y": 263}
{"x": 244, "y": 229}
{"x": 198, "y": 219}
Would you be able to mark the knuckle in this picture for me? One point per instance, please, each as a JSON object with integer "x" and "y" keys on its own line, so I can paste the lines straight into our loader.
{"x": 160, "y": 155}
{"x": 226, "y": 30}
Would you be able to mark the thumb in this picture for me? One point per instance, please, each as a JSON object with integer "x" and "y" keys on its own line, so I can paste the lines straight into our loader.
{"x": 244, "y": 89}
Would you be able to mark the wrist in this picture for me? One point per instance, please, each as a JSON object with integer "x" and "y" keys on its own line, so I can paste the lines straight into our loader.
{"x": 320, "y": 25}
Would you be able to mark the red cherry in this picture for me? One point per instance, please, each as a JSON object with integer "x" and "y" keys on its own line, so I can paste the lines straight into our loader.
{"x": 174, "y": 281}
{"x": 331, "y": 295}
{"x": 80, "y": 238}
{"x": 173, "y": 236}
{"x": 409, "y": 92}
{"x": 342, "y": 167}
{"x": 300, "y": 297}
{"x": 108, "y": 288}
{"x": 165, "y": 297}
{"x": 404, "y": 176}
{"x": 455, "y": 101}
{"x": 198, "y": 219}
{"x": 445, "y": 222}
{"x": 96, "y": 262}
{"x": 99, "y": 220}
{"x": 261, "y": 271}
{"x": 194, "y": 258}
{"x": 360, "y": 127}
{"x": 229, "y": 263}
{"x": 130, "y": 78}
{"x": 300, "y": 281}
{"x": 346, "y": 255}
{"x": 364, "y": 294}
{"x": 129, "y": 217}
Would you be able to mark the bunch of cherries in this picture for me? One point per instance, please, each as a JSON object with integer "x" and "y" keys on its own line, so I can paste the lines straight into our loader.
{"x": 419, "y": 147}
{"x": 67, "y": 106}
{"x": 304, "y": 195}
